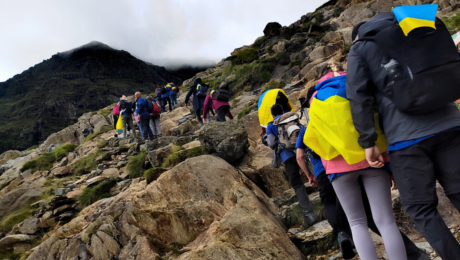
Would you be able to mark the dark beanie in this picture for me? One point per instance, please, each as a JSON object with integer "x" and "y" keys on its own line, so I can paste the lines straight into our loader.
{"x": 355, "y": 30}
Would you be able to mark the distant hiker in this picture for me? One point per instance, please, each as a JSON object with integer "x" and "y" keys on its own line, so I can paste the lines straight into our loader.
{"x": 166, "y": 91}
{"x": 219, "y": 101}
{"x": 116, "y": 114}
{"x": 142, "y": 108}
{"x": 126, "y": 111}
{"x": 51, "y": 148}
{"x": 173, "y": 94}
{"x": 423, "y": 146}
{"x": 158, "y": 94}
{"x": 284, "y": 145}
{"x": 199, "y": 91}
{"x": 155, "y": 118}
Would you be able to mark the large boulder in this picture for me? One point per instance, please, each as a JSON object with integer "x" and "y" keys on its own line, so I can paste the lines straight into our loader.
{"x": 8, "y": 155}
{"x": 272, "y": 29}
{"x": 228, "y": 140}
{"x": 201, "y": 209}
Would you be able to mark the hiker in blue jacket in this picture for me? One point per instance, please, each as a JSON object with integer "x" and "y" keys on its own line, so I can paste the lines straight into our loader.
{"x": 166, "y": 98}
{"x": 198, "y": 99}
{"x": 144, "y": 116}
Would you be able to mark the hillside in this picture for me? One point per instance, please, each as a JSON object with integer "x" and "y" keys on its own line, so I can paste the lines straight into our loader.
{"x": 55, "y": 93}
{"x": 194, "y": 193}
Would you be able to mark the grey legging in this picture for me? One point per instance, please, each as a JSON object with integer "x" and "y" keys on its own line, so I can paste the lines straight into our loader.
{"x": 377, "y": 184}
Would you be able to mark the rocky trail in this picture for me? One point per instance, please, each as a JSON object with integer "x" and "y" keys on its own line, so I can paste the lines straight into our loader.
{"x": 195, "y": 193}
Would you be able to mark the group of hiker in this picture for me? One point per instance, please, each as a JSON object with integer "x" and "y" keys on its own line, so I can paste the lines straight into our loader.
{"x": 389, "y": 122}
{"x": 146, "y": 111}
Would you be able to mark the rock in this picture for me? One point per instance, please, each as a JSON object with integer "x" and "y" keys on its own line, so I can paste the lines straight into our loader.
{"x": 192, "y": 144}
{"x": 29, "y": 226}
{"x": 98, "y": 122}
{"x": 74, "y": 194}
{"x": 347, "y": 18}
{"x": 182, "y": 140}
{"x": 346, "y": 35}
{"x": 71, "y": 156}
{"x": 26, "y": 174}
{"x": 288, "y": 197}
{"x": 252, "y": 126}
{"x": 38, "y": 204}
{"x": 272, "y": 29}
{"x": 62, "y": 209}
{"x": 8, "y": 155}
{"x": 318, "y": 239}
{"x": 61, "y": 171}
{"x": 157, "y": 156}
{"x": 94, "y": 181}
{"x": 200, "y": 209}
{"x": 292, "y": 72}
{"x": 61, "y": 191}
{"x": 11, "y": 241}
{"x": 425, "y": 246}
{"x": 326, "y": 51}
{"x": 292, "y": 215}
{"x": 331, "y": 37}
{"x": 63, "y": 162}
{"x": 111, "y": 173}
{"x": 114, "y": 142}
{"x": 239, "y": 49}
{"x": 228, "y": 140}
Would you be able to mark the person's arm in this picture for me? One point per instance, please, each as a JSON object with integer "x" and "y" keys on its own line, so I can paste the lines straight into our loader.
{"x": 205, "y": 106}
{"x": 271, "y": 141}
{"x": 300, "y": 156}
{"x": 361, "y": 103}
{"x": 229, "y": 114}
{"x": 140, "y": 108}
{"x": 263, "y": 130}
{"x": 190, "y": 92}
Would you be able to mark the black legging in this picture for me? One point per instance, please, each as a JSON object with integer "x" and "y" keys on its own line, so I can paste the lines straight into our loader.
{"x": 222, "y": 111}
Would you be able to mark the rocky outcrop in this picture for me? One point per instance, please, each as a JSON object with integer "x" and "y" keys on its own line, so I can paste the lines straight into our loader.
{"x": 228, "y": 140}
{"x": 208, "y": 213}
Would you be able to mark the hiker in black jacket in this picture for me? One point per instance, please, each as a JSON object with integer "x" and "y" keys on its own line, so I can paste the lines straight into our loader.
{"x": 198, "y": 101}
{"x": 422, "y": 148}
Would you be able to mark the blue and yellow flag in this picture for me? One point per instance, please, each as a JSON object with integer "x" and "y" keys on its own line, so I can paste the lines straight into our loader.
{"x": 266, "y": 101}
{"x": 415, "y": 16}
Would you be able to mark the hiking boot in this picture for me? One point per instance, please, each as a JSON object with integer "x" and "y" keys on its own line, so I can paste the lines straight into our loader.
{"x": 346, "y": 245}
{"x": 423, "y": 256}
{"x": 309, "y": 220}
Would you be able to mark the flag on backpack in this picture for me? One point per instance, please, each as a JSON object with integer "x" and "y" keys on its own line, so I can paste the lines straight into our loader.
{"x": 266, "y": 101}
{"x": 201, "y": 90}
{"x": 415, "y": 16}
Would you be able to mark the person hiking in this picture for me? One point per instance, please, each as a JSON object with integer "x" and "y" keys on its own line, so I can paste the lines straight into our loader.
{"x": 166, "y": 99}
{"x": 199, "y": 91}
{"x": 173, "y": 94}
{"x": 144, "y": 116}
{"x": 116, "y": 115}
{"x": 222, "y": 107}
{"x": 158, "y": 93}
{"x": 155, "y": 118}
{"x": 266, "y": 101}
{"x": 126, "y": 111}
{"x": 422, "y": 147}
{"x": 292, "y": 169}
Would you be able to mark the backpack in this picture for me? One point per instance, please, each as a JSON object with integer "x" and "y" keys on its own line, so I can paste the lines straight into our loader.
{"x": 156, "y": 109}
{"x": 222, "y": 95}
{"x": 163, "y": 91}
{"x": 149, "y": 106}
{"x": 289, "y": 127}
{"x": 116, "y": 110}
{"x": 158, "y": 92}
{"x": 424, "y": 67}
{"x": 128, "y": 107}
{"x": 175, "y": 89}
{"x": 201, "y": 90}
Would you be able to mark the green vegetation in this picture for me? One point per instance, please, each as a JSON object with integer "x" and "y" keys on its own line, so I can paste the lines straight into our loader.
{"x": 244, "y": 56}
{"x": 13, "y": 256}
{"x": 106, "y": 111}
{"x": 181, "y": 155}
{"x": 258, "y": 43}
{"x": 246, "y": 110}
{"x": 151, "y": 175}
{"x": 136, "y": 165}
{"x": 272, "y": 84}
{"x": 102, "y": 144}
{"x": 13, "y": 218}
{"x": 293, "y": 64}
{"x": 95, "y": 193}
{"x": 104, "y": 129}
{"x": 33, "y": 147}
{"x": 346, "y": 49}
{"x": 338, "y": 11}
{"x": 452, "y": 23}
{"x": 46, "y": 160}
{"x": 86, "y": 164}
{"x": 53, "y": 183}
{"x": 5, "y": 184}
{"x": 328, "y": 3}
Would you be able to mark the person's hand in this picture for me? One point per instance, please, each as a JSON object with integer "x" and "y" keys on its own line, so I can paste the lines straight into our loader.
{"x": 374, "y": 157}
{"x": 393, "y": 183}
{"x": 313, "y": 182}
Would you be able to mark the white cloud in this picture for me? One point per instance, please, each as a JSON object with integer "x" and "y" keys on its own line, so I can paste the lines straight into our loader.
{"x": 153, "y": 30}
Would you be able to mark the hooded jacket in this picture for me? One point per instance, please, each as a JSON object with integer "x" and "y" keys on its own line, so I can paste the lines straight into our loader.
{"x": 198, "y": 101}
{"x": 216, "y": 104}
{"x": 366, "y": 83}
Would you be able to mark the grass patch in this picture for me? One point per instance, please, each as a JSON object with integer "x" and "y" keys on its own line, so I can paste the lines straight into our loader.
{"x": 33, "y": 147}
{"x": 136, "y": 165}
{"x": 258, "y": 43}
{"x": 13, "y": 256}
{"x": 244, "y": 56}
{"x": 106, "y": 111}
{"x": 86, "y": 164}
{"x": 4, "y": 185}
{"x": 452, "y": 23}
{"x": 15, "y": 217}
{"x": 273, "y": 84}
{"x": 102, "y": 144}
{"x": 246, "y": 110}
{"x": 179, "y": 156}
{"x": 95, "y": 193}
{"x": 104, "y": 129}
{"x": 293, "y": 64}
{"x": 151, "y": 175}
{"x": 52, "y": 184}
{"x": 46, "y": 160}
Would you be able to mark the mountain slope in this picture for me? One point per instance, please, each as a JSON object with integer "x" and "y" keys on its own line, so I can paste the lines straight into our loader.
{"x": 53, "y": 94}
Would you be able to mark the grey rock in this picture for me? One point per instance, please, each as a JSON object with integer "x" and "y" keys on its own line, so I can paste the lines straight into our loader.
{"x": 29, "y": 226}
{"x": 61, "y": 191}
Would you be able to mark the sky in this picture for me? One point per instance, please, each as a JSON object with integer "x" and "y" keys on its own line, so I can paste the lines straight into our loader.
{"x": 164, "y": 32}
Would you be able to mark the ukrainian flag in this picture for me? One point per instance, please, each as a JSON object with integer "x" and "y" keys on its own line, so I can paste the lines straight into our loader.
{"x": 266, "y": 101}
{"x": 415, "y": 16}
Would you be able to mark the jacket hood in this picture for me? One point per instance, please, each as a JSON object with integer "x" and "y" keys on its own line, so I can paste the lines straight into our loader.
{"x": 376, "y": 24}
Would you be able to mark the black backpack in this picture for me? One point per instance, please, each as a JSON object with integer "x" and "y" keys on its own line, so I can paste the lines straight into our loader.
{"x": 164, "y": 91}
{"x": 128, "y": 107}
{"x": 222, "y": 95}
{"x": 202, "y": 90}
{"x": 149, "y": 106}
{"x": 158, "y": 92}
{"x": 424, "y": 69}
